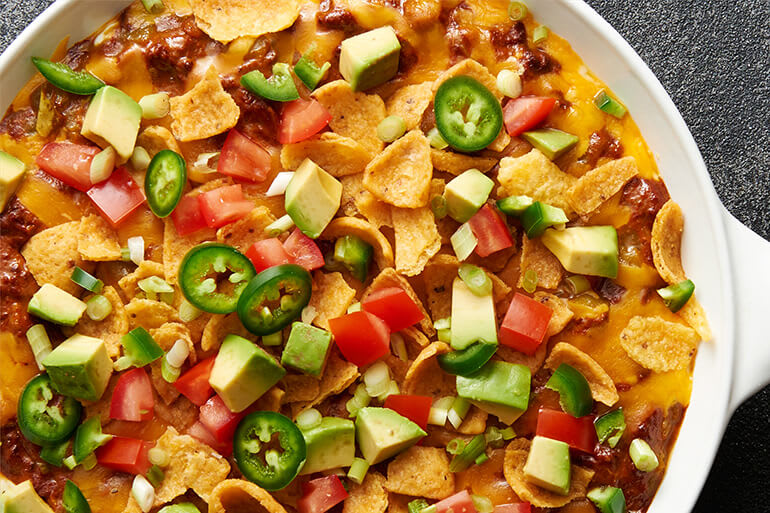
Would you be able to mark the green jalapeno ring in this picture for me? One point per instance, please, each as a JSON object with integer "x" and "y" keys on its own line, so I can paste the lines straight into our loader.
{"x": 210, "y": 267}
{"x": 44, "y": 416}
{"x": 73, "y": 500}
{"x": 468, "y": 116}
{"x": 467, "y": 361}
{"x": 279, "y": 87}
{"x": 573, "y": 389}
{"x": 259, "y": 434}
{"x": 165, "y": 181}
{"x": 274, "y": 298}
{"x": 65, "y": 78}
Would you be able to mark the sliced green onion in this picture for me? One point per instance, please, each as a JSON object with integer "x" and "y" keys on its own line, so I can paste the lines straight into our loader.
{"x": 273, "y": 339}
{"x": 483, "y": 458}
{"x": 456, "y": 446}
{"x": 458, "y": 411}
{"x": 143, "y": 493}
{"x": 178, "y": 353}
{"x": 493, "y": 437}
{"x": 89, "y": 461}
{"x": 540, "y": 34}
{"x": 439, "y": 411}
{"x": 608, "y": 104}
{"x": 578, "y": 284}
{"x": 39, "y": 343}
{"x": 140, "y": 159}
{"x": 391, "y": 128}
{"x": 98, "y": 307}
{"x": 279, "y": 183}
{"x": 443, "y": 324}
{"x": 125, "y": 254}
{"x": 159, "y": 457}
{"x": 155, "y": 106}
{"x": 481, "y": 503}
{"x": 463, "y": 242}
{"x": 435, "y": 139}
{"x": 508, "y": 433}
{"x": 468, "y": 456}
{"x": 642, "y": 455}
{"x": 509, "y": 83}
{"x": 399, "y": 346}
{"x": 360, "y": 399}
{"x": 309, "y": 419}
{"x": 54, "y": 454}
{"x": 358, "y": 470}
{"x": 188, "y": 312}
{"x": 529, "y": 280}
{"x": 102, "y": 165}
{"x": 438, "y": 206}
{"x": 476, "y": 279}
{"x": 280, "y": 225}
{"x": 308, "y": 314}
{"x": 417, "y": 506}
{"x": 155, "y": 284}
{"x": 155, "y": 475}
{"x": 70, "y": 462}
{"x": 391, "y": 390}
{"x": 517, "y": 11}
{"x": 136, "y": 249}
{"x": 86, "y": 280}
{"x": 355, "y": 307}
{"x": 377, "y": 379}
{"x": 153, "y": 6}
{"x": 169, "y": 373}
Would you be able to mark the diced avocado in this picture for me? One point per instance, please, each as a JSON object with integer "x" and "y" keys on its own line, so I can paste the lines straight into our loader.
{"x": 242, "y": 372}
{"x": 466, "y": 194}
{"x": 55, "y": 305}
{"x": 370, "y": 59}
{"x": 79, "y": 367}
{"x": 382, "y": 433}
{"x": 22, "y": 498}
{"x": 312, "y": 198}
{"x": 552, "y": 142}
{"x": 113, "y": 119}
{"x": 11, "y": 173}
{"x": 499, "y": 388}
{"x": 473, "y": 317}
{"x": 548, "y": 465}
{"x": 591, "y": 250}
{"x": 331, "y": 444}
{"x": 307, "y": 348}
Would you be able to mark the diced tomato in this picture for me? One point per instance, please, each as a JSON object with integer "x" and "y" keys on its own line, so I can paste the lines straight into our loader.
{"x": 194, "y": 384}
{"x": 521, "y": 507}
{"x": 132, "y": 398}
{"x": 526, "y": 112}
{"x": 394, "y": 306}
{"x": 302, "y": 119}
{"x": 362, "y": 337}
{"x": 199, "y": 432}
{"x": 187, "y": 216}
{"x": 525, "y": 324}
{"x": 321, "y": 495}
{"x": 70, "y": 163}
{"x": 243, "y": 159}
{"x": 414, "y": 407}
{"x": 117, "y": 196}
{"x": 304, "y": 251}
{"x": 224, "y": 205}
{"x": 578, "y": 433}
{"x": 267, "y": 253}
{"x": 219, "y": 420}
{"x": 125, "y": 454}
{"x": 458, "y": 503}
{"x": 490, "y": 230}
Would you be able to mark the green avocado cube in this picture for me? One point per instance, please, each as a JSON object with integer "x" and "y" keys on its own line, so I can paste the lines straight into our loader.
{"x": 552, "y": 142}
{"x": 312, "y": 198}
{"x": 331, "y": 444}
{"x": 548, "y": 465}
{"x": 11, "y": 173}
{"x": 307, "y": 348}
{"x": 22, "y": 498}
{"x": 499, "y": 388}
{"x": 473, "y": 317}
{"x": 370, "y": 59}
{"x": 466, "y": 194}
{"x": 56, "y": 305}
{"x": 590, "y": 250}
{"x": 382, "y": 433}
{"x": 79, "y": 367}
{"x": 242, "y": 372}
{"x": 113, "y": 119}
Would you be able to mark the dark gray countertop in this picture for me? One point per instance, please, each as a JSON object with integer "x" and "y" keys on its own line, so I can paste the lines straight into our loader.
{"x": 713, "y": 58}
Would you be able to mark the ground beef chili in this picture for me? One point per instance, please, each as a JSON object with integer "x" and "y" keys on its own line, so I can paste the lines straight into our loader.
{"x": 333, "y": 17}
{"x": 20, "y": 123}
{"x": 601, "y": 144}
{"x": 458, "y": 36}
{"x": 644, "y": 197}
{"x": 511, "y": 41}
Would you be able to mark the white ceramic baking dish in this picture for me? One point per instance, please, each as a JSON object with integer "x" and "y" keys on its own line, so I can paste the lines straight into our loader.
{"x": 729, "y": 263}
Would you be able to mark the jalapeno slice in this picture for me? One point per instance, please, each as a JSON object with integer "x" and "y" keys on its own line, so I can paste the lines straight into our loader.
{"x": 46, "y": 417}
{"x": 468, "y": 116}
{"x": 164, "y": 182}
{"x": 279, "y": 87}
{"x": 269, "y": 449}
{"x": 467, "y": 361}
{"x": 67, "y": 79}
{"x": 274, "y": 298}
{"x": 213, "y": 276}
{"x": 72, "y": 500}
{"x": 574, "y": 392}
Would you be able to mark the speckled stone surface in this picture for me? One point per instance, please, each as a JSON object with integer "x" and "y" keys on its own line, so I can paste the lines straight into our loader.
{"x": 713, "y": 57}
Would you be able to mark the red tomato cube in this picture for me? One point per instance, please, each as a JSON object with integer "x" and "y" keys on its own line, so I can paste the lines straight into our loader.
{"x": 304, "y": 251}
{"x": 322, "y": 494}
{"x": 194, "y": 384}
{"x": 302, "y": 119}
{"x": 362, "y": 337}
{"x": 525, "y": 324}
{"x": 526, "y": 112}
{"x": 267, "y": 253}
{"x": 117, "y": 196}
{"x": 394, "y": 306}
{"x": 414, "y": 407}
{"x": 70, "y": 163}
{"x": 132, "y": 398}
{"x": 187, "y": 216}
{"x": 490, "y": 231}
{"x": 217, "y": 418}
{"x": 125, "y": 455}
{"x": 243, "y": 159}
{"x": 578, "y": 433}
{"x": 224, "y": 205}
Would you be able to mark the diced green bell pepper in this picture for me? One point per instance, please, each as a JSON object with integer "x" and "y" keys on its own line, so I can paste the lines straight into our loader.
{"x": 677, "y": 295}
{"x": 539, "y": 216}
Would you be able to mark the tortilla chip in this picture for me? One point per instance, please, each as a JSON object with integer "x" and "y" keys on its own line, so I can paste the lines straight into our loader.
{"x": 659, "y": 345}
{"x": 400, "y": 175}
{"x": 336, "y": 154}
{"x": 176, "y": 247}
{"x": 694, "y": 315}
{"x": 246, "y": 231}
{"x": 219, "y": 326}
{"x": 513, "y": 467}
{"x": 97, "y": 241}
{"x": 112, "y": 328}
{"x": 129, "y": 283}
{"x": 52, "y": 254}
{"x": 156, "y": 138}
{"x": 149, "y": 314}
{"x": 270, "y": 400}
{"x": 600, "y": 184}
{"x": 474, "y": 423}
{"x": 422, "y": 472}
{"x": 601, "y": 384}
{"x": 425, "y": 377}
{"x": 181, "y": 414}
{"x": 368, "y": 497}
{"x": 417, "y": 238}
{"x": 534, "y": 362}
{"x": 357, "y": 200}
{"x": 299, "y": 388}
{"x": 666, "y": 243}
{"x": 331, "y": 297}
{"x": 238, "y": 496}
{"x": 535, "y": 256}
{"x": 534, "y": 175}
{"x": 338, "y": 375}
{"x": 409, "y": 103}
{"x": 457, "y": 163}
{"x": 354, "y": 114}
{"x": 398, "y": 503}
{"x": 225, "y": 20}
{"x": 561, "y": 312}
{"x": 415, "y": 341}
{"x": 204, "y": 111}
{"x": 383, "y": 252}
{"x": 389, "y": 278}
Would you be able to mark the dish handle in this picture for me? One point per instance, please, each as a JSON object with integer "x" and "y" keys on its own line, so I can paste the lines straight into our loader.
{"x": 750, "y": 260}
